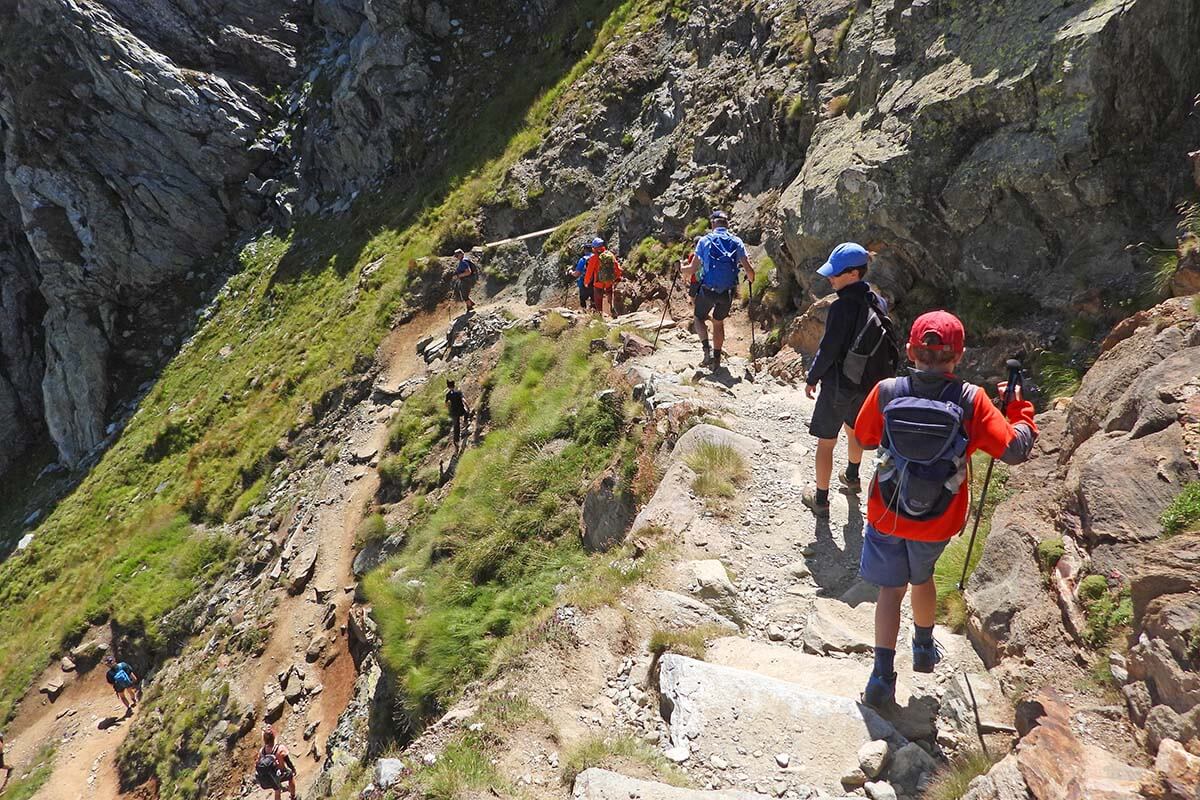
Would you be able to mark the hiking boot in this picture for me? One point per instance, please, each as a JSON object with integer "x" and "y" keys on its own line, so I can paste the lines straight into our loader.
{"x": 850, "y": 485}
{"x": 809, "y": 498}
{"x": 925, "y": 656}
{"x": 708, "y": 355}
{"x": 880, "y": 691}
{"x": 716, "y": 360}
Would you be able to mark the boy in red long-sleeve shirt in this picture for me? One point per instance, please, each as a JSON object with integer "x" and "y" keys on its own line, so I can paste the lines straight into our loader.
{"x": 919, "y": 497}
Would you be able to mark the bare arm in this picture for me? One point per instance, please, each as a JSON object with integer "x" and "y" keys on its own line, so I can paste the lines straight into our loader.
{"x": 747, "y": 267}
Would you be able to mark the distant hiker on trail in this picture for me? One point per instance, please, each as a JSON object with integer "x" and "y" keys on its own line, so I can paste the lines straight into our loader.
{"x": 123, "y": 679}
{"x": 7, "y": 769}
{"x": 457, "y": 407}
{"x": 841, "y": 393}
{"x": 716, "y": 264}
{"x": 273, "y": 767}
{"x": 579, "y": 272}
{"x": 926, "y": 425}
{"x": 465, "y": 274}
{"x": 603, "y": 274}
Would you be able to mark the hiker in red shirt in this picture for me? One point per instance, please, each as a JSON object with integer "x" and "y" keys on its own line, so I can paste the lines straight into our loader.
{"x": 603, "y": 274}
{"x": 926, "y": 425}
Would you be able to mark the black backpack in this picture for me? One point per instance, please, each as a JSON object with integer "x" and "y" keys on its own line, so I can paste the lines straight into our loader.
{"x": 266, "y": 770}
{"x": 874, "y": 354}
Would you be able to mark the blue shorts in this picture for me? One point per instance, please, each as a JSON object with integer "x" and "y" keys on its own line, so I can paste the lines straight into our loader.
{"x": 894, "y": 562}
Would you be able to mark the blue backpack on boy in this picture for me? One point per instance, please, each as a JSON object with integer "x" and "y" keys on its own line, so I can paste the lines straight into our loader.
{"x": 924, "y": 444}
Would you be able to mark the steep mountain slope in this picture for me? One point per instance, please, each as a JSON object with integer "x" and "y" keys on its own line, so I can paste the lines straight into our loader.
{"x": 964, "y": 143}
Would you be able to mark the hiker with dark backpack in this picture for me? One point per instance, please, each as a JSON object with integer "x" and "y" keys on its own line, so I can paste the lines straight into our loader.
{"x": 273, "y": 767}
{"x": 579, "y": 272}
{"x": 717, "y": 264}
{"x": 926, "y": 425}
{"x": 458, "y": 409}
{"x": 7, "y": 769}
{"x": 603, "y": 274}
{"x": 858, "y": 349}
{"x": 464, "y": 277}
{"x": 123, "y": 679}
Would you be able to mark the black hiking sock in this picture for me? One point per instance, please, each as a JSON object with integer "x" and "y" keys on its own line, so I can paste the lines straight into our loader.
{"x": 852, "y": 471}
{"x": 885, "y": 661}
{"x": 822, "y": 497}
{"x": 923, "y": 635}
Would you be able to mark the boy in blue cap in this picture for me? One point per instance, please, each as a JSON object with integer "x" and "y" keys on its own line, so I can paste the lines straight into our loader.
{"x": 839, "y": 399}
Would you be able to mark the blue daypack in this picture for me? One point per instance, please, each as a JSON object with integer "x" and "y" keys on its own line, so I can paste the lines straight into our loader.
{"x": 720, "y": 274}
{"x": 924, "y": 443}
{"x": 120, "y": 677}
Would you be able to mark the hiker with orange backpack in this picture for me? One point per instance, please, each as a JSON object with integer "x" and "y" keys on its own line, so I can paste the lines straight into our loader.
{"x": 273, "y": 767}
{"x": 719, "y": 259}
{"x": 927, "y": 425}
{"x": 603, "y": 274}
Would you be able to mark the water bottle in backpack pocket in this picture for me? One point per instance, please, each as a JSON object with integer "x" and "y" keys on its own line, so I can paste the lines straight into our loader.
{"x": 924, "y": 444}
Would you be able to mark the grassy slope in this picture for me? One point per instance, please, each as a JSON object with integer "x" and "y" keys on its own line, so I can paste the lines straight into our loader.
{"x": 293, "y": 325}
{"x": 490, "y": 556}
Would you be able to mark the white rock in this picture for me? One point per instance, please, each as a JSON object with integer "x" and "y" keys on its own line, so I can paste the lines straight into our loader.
{"x": 880, "y": 790}
{"x": 388, "y": 772}
{"x": 872, "y": 757}
{"x": 783, "y": 759}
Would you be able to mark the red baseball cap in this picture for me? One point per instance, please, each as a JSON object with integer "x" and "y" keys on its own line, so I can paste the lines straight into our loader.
{"x": 938, "y": 330}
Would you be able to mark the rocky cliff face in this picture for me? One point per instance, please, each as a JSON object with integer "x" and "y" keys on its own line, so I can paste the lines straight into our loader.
{"x": 140, "y": 138}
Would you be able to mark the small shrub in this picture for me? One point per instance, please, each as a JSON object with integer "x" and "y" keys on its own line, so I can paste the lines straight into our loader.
{"x": 1049, "y": 551}
{"x": 843, "y": 29}
{"x": 719, "y": 469}
{"x": 627, "y": 141}
{"x": 612, "y": 751}
{"x": 372, "y": 529}
{"x": 952, "y": 611}
{"x": 1057, "y": 376}
{"x": 951, "y": 782}
{"x": 796, "y": 109}
{"x": 838, "y": 105}
{"x": 1183, "y": 514}
{"x": 555, "y": 324}
{"x": 1092, "y": 588}
{"x": 696, "y": 229}
{"x": 692, "y": 642}
{"x": 466, "y": 768}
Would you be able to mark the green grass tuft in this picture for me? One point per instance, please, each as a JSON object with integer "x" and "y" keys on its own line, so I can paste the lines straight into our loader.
{"x": 719, "y": 469}
{"x": 1183, "y": 514}
{"x": 616, "y": 751}
{"x": 952, "y": 781}
{"x": 692, "y": 642}
{"x": 1057, "y": 376}
{"x": 1049, "y": 551}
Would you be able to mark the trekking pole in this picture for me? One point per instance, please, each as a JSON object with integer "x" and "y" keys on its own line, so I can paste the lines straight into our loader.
{"x": 1014, "y": 380}
{"x": 666, "y": 307}
{"x": 750, "y": 314}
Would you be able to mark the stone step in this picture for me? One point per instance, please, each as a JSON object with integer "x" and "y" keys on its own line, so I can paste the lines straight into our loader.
{"x": 600, "y": 784}
{"x": 766, "y": 729}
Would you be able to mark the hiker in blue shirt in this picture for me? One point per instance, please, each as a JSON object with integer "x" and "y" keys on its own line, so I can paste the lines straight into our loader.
{"x": 716, "y": 263}
{"x": 123, "y": 679}
{"x": 578, "y": 272}
{"x": 465, "y": 273}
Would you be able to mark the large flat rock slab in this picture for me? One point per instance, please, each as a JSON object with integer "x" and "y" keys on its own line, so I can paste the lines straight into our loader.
{"x": 732, "y": 713}
{"x": 600, "y": 784}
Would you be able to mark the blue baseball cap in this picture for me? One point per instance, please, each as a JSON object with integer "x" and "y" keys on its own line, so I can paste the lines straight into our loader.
{"x": 845, "y": 256}
{"x": 587, "y": 245}
{"x": 597, "y": 242}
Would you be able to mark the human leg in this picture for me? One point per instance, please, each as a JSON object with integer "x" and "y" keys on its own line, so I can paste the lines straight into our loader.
{"x": 597, "y": 300}
{"x": 456, "y": 422}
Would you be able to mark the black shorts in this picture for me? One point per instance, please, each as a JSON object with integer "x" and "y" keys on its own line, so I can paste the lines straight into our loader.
{"x": 837, "y": 405}
{"x": 715, "y": 303}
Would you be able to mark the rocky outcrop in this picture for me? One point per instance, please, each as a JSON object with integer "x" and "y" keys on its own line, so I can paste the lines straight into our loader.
{"x": 1105, "y": 468}
{"x": 1012, "y": 151}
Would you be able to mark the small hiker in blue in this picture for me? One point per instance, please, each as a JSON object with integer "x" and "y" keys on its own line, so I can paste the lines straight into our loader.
{"x": 123, "y": 679}
{"x": 579, "y": 272}
{"x": 465, "y": 273}
{"x": 717, "y": 261}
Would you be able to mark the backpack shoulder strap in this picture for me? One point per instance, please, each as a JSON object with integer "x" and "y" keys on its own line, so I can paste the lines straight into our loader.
{"x": 892, "y": 388}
